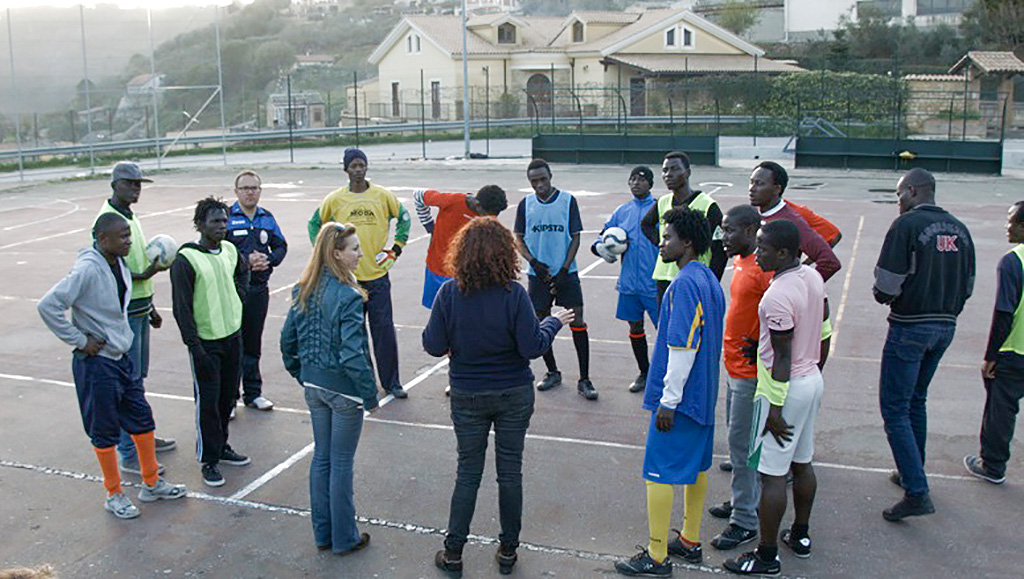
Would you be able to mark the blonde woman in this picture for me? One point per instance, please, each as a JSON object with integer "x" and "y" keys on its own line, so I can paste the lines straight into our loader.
{"x": 324, "y": 347}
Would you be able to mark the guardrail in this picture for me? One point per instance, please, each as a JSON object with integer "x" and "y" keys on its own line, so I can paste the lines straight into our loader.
{"x": 283, "y": 135}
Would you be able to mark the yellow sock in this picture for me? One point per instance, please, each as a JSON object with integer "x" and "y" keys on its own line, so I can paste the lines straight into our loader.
{"x": 659, "y": 517}
{"x": 145, "y": 446}
{"x": 108, "y": 465}
{"x": 693, "y": 507}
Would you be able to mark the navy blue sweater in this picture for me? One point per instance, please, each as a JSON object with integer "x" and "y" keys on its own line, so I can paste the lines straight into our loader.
{"x": 491, "y": 336}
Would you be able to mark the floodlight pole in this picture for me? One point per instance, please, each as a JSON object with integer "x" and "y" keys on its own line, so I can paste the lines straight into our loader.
{"x": 220, "y": 86}
{"x": 14, "y": 95}
{"x": 88, "y": 105}
{"x": 153, "y": 82}
{"x": 465, "y": 83}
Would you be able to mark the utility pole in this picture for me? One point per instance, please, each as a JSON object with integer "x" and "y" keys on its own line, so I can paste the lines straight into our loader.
{"x": 465, "y": 83}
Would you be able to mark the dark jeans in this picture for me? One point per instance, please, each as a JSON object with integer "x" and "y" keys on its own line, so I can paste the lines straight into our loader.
{"x": 254, "y": 314}
{"x": 909, "y": 359}
{"x": 138, "y": 354}
{"x": 382, "y": 330}
{"x": 473, "y": 413}
{"x": 215, "y": 379}
{"x": 1002, "y": 402}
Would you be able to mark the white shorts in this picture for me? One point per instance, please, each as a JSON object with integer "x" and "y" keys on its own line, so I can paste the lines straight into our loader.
{"x": 801, "y": 412}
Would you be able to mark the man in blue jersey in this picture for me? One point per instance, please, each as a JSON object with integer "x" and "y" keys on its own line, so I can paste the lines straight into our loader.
{"x": 681, "y": 392}
{"x": 637, "y": 290}
{"x": 548, "y": 227}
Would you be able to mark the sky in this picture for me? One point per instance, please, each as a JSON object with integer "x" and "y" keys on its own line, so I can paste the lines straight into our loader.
{"x": 155, "y": 4}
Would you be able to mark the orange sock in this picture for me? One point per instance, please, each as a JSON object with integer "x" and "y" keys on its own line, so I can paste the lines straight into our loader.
{"x": 108, "y": 464}
{"x": 145, "y": 444}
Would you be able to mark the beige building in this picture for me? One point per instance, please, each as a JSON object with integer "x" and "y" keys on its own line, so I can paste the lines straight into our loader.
{"x": 589, "y": 62}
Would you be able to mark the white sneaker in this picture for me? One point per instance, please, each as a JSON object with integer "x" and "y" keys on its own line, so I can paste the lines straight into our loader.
{"x": 161, "y": 490}
{"x": 260, "y": 403}
{"x": 121, "y": 506}
{"x": 232, "y": 415}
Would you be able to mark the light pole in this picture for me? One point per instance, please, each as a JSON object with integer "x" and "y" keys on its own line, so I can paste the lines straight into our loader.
{"x": 465, "y": 83}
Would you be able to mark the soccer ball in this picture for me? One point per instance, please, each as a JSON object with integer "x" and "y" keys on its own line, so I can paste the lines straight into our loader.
{"x": 163, "y": 249}
{"x": 615, "y": 240}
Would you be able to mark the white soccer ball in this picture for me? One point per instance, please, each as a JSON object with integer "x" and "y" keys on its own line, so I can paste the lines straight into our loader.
{"x": 615, "y": 240}
{"x": 163, "y": 249}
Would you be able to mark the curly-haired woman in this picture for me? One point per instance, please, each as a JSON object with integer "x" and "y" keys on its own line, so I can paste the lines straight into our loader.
{"x": 324, "y": 347}
{"x": 484, "y": 321}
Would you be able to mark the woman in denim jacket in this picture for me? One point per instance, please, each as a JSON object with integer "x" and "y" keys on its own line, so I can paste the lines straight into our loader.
{"x": 324, "y": 347}
{"x": 483, "y": 320}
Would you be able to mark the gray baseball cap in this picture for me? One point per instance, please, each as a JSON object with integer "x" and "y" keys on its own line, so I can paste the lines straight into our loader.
{"x": 129, "y": 171}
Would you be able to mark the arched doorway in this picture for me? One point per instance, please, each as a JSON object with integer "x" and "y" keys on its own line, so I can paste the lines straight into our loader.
{"x": 538, "y": 88}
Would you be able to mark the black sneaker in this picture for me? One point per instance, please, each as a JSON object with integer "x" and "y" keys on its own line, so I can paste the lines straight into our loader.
{"x": 722, "y": 511}
{"x": 693, "y": 555}
{"x": 586, "y": 389}
{"x": 639, "y": 384}
{"x": 801, "y": 547}
{"x": 909, "y": 507}
{"x": 643, "y": 565}
{"x": 976, "y": 467}
{"x": 506, "y": 558}
{"x": 399, "y": 392}
{"x": 733, "y": 536}
{"x": 212, "y": 476}
{"x": 725, "y": 466}
{"x": 895, "y": 478}
{"x": 551, "y": 379}
{"x": 750, "y": 564}
{"x": 449, "y": 562}
{"x": 229, "y": 456}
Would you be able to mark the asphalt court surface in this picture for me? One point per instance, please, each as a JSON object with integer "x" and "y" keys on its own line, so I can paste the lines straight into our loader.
{"x": 584, "y": 498}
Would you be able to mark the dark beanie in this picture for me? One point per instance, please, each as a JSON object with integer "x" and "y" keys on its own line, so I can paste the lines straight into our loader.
{"x": 643, "y": 172}
{"x": 351, "y": 154}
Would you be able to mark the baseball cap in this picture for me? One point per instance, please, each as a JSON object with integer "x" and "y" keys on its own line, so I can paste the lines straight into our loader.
{"x": 128, "y": 171}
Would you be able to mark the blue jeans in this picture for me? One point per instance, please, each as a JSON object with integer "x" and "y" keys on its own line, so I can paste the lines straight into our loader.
{"x": 909, "y": 359}
{"x": 337, "y": 424}
{"x": 138, "y": 354}
{"x": 473, "y": 413}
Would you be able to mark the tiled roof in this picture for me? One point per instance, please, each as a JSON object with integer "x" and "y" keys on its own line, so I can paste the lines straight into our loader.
{"x": 990, "y": 62}
{"x": 639, "y": 23}
{"x": 934, "y": 77}
{"x": 446, "y": 31}
{"x": 605, "y": 16}
{"x": 677, "y": 63}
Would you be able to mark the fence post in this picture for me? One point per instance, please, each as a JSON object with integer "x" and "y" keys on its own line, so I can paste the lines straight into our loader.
{"x": 967, "y": 68}
{"x": 552, "y": 97}
{"x": 423, "y": 119}
{"x": 355, "y": 93}
{"x": 671, "y": 116}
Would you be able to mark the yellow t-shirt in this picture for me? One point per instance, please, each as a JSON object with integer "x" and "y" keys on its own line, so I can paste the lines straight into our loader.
{"x": 371, "y": 212}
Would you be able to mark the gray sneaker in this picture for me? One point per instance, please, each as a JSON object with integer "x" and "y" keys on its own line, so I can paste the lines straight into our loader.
{"x": 161, "y": 490}
{"x": 131, "y": 466}
{"x": 121, "y": 506}
{"x": 260, "y": 403}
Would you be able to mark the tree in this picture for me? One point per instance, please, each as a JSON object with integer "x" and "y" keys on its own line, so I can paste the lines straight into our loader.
{"x": 737, "y": 16}
{"x": 273, "y": 58}
{"x": 995, "y": 24}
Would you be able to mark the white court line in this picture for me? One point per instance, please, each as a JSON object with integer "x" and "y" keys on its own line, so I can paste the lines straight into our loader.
{"x": 282, "y": 289}
{"x": 387, "y": 399}
{"x": 846, "y": 287}
{"x": 373, "y": 521}
{"x": 272, "y": 473}
{"x": 590, "y": 267}
{"x": 80, "y": 230}
{"x": 448, "y": 427}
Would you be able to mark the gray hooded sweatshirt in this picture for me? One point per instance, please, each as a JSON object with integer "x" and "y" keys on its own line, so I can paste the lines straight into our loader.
{"x": 90, "y": 291}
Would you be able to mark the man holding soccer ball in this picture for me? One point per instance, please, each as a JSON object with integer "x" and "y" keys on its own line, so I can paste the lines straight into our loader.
{"x": 637, "y": 290}
{"x": 126, "y": 181}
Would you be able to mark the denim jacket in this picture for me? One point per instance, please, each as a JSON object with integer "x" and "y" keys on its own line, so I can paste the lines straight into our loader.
{"x": 326, "y": 344}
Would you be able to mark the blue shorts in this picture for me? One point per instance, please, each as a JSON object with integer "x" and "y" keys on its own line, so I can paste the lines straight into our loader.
{"x": 631, "y": 308}
{"x": 431, "y": 283}
{"x": 109, "y": 398}
{"x": 676, "y": 457}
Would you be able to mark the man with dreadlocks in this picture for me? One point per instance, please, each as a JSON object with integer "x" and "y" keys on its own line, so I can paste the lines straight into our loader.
{"x": 208, "y": 283}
